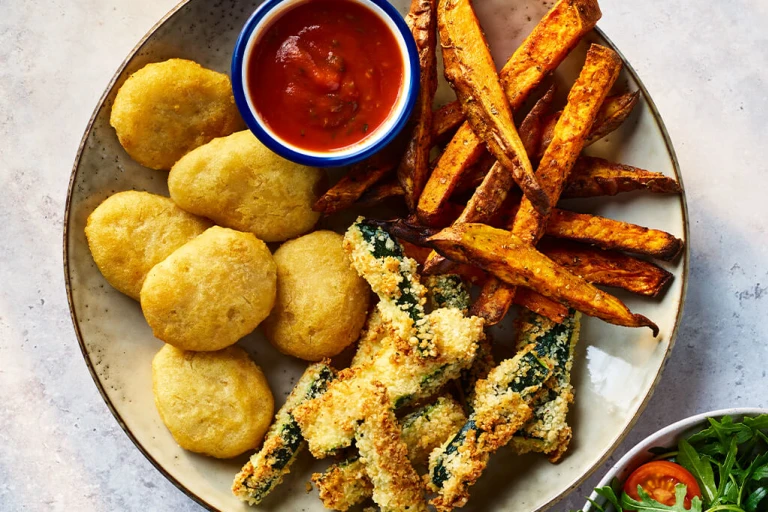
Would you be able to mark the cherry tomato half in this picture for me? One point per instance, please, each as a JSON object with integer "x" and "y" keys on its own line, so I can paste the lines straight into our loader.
{"x": 658, "y": 478}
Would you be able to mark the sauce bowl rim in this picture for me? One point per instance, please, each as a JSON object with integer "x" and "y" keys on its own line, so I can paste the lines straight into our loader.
{"x": 401, "y": 111}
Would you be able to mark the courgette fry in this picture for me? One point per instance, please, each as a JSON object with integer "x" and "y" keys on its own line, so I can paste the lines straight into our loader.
{"x": 330, "y": 422}
{"x": 515, "y": 262}
{"x": 607, "y": 268}
{"x": 346, "y": 484}
{"x": 266, "y": 468}
{"x": 541, "y": 52}
{"x": 396, "y": 485}
{"x": 613, "y": 112}
{"x": 447, "y": 291}
{"x": 470, "y": 69}
{"x": 613, "y": 234}
{"x": 379, "y": 259}
{"x": 547, "y": 432}
{"x": 593, "y": 177}
{"x": 370, "y": 342}
{"x": 360, "y": 177}
{"x": 502, "y": 406}
{"x": 445, "y": 121}
{"x": 413, "y": 171}
{"x": 600, "y": 71}
{"x": 496, "y": 184}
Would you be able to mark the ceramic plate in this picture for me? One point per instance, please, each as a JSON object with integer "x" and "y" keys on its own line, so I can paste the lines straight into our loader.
{"x": 616, "y": 368}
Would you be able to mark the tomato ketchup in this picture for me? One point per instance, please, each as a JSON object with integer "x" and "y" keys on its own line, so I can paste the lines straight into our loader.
{"x": 326, "y": 74}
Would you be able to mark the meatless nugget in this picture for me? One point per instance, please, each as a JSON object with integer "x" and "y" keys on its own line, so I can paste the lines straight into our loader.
{"x": 211, "y": 292}
{"x": 239, "y": 183}
{"x": 215, "y": 403}
{"x": 167, "y": 109}
{"x": 132, "y": 231}
{"x": 321, "y": 302}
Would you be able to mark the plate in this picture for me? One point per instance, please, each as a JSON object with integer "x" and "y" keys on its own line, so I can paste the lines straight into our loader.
{"x": 616, "y": 368}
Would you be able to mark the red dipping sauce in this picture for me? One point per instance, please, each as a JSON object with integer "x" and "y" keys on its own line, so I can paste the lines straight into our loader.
{"x": 325, "y": 75}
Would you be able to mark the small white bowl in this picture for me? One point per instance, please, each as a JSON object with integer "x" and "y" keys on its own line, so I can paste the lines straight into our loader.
{"x": 668, "y": 436}
{"x": 261, "y": 20}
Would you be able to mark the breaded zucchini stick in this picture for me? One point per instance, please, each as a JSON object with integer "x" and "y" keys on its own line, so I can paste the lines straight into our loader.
{"x": 329, "y": 422}
{"x": 547, "y": 432}
{"x": 445, "y": 291}
{"x": 379, "y": 259}
{"x": 266, "y": 468}
{"x": 383, "y": 453}
{"x": 503, "y": 404}
{"x": 369, "y": 344}
{"x": 470, "y": 69}
{"x": 346, "y": 484}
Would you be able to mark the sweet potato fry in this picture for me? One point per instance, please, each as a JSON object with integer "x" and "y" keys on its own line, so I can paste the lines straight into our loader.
{"x": 597, "y": 177}
{"x": 493, "y": 190}
{"x": 470, "y": 69}
{"x": 600, "y": 71}
{"x": 380, "y": 193}
{"x": 541, "y": 52}
{"x": 468, "y": 273}
{"x": 515, "y": 262}
{"x": 613, "y": 234}
{"x": 540, "y": 304}
{"x": 607, "y": 268}
{"x": 413, "y": 171}
{"x": 613, "y": 112}
{"x": 445, "y": 121}
{"x": 359, "y": 178}
{"x": 532, "y": 125}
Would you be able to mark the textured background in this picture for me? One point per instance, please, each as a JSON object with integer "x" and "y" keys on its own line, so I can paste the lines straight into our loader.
{"x": 705, "y": 64}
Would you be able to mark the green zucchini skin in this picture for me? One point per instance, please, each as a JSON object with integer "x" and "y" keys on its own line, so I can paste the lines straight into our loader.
{"x": 548, "y": 432}
{"x": 369, "y": 255}
{"x": 518, "y": 382}
{"x": 447, "y": 291}
{"x": 345, "y": 484}
{"x": 266, "y": 468}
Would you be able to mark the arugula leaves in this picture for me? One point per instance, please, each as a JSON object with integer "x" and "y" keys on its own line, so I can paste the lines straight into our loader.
{"x": 648, "y": 504}
{"x": 729, "y": 460}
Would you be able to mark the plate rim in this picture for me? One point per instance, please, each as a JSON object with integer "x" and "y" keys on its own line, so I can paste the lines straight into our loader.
{"x": 684, "y": 258}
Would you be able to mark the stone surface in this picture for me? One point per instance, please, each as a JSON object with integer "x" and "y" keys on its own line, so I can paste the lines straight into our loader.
{"x": 60, "y": 448}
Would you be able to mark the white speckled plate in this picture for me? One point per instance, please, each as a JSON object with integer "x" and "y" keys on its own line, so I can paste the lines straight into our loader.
{"x": 616, "y": 368}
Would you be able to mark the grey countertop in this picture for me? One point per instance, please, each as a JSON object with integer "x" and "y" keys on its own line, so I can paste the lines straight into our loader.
{"x": 705, "y": 63}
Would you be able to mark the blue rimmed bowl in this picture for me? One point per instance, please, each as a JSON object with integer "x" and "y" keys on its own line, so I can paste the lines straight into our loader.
{"x": 263, "y": 18}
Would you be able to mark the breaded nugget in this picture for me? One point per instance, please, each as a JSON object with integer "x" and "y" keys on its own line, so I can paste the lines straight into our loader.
{"x": 215, "y": 403}
{"x": 131, "y": 232}
{"x": 321, "y": 302}
{"x": 239, "y": 183}
{"x": 211, "y": 292}
{"x": 167, "y": 109}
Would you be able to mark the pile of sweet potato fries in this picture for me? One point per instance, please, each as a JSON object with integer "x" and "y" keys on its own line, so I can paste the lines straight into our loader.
{"x": 486, "y": 206}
